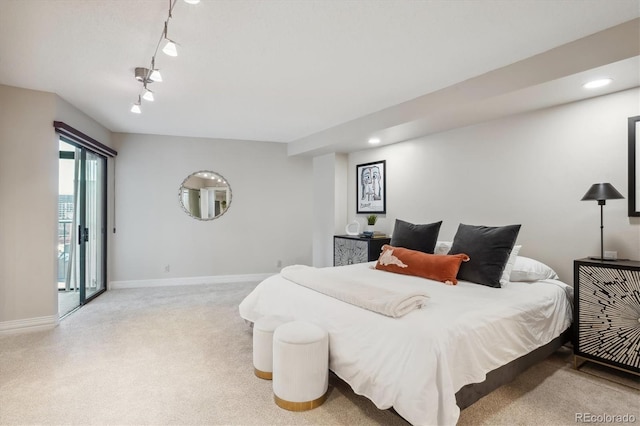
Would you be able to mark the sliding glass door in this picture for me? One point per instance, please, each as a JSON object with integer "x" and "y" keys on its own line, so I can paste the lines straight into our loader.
{"x": 94, "y": 225}
{"x": 81, "y": 226}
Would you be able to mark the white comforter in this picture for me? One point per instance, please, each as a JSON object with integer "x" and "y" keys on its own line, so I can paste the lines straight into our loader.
{"x": 418, "y": 362}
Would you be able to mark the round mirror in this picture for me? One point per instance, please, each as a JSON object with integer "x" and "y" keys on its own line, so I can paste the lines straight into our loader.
{"x": 205, "y": 195}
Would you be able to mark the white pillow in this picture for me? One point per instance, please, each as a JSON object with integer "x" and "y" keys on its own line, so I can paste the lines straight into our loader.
{"x": 506, "y": 273}
{"x": 442, "y": 247}
{"x": 526, "y": 269}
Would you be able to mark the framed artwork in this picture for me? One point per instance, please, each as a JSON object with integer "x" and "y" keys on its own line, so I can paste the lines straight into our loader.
{"x": 634, "y": 166}
{"x": 371, "y": 194}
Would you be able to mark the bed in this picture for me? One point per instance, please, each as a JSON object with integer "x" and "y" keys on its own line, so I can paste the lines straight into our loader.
{"x": 418, "y": 362}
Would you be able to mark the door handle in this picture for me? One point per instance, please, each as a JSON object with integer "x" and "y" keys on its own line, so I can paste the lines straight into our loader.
{"x": 83, "y": 234}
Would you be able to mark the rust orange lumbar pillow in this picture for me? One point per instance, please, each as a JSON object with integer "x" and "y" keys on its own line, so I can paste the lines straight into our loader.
{"x": 438, "y": 267}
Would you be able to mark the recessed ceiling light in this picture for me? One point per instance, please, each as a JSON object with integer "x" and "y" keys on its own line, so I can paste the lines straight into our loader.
{"x": 597, "y": 83}
{"x": 374, "y": 141}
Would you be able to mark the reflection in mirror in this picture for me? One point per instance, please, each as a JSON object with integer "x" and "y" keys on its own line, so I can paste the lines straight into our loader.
{"x": 205, "y": 195}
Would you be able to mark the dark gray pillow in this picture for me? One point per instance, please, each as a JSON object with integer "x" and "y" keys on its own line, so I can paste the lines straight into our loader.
{"x": 415, "y": 237}
{"x": 488, "y": 248}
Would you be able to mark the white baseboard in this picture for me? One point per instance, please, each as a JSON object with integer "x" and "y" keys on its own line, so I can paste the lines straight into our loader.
{"x": 166, "y": 282}
{"x": 29, "y": 324}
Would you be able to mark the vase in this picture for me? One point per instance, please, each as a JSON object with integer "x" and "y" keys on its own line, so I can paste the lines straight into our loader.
{"x": 353, "y": 228}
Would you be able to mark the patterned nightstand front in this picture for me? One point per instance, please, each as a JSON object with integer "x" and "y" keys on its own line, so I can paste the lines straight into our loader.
{"x": 348, "y": 249}
{"x": 607, "y": 312}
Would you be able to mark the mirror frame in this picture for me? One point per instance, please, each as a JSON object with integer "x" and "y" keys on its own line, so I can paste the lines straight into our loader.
{"x": 184, "y": 208}
{"x": 634, "y": 162}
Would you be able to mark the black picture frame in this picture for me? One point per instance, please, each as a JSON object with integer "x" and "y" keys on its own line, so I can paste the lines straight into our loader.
{"x": 371, "y": 187}
{"x": 634, "y": 162}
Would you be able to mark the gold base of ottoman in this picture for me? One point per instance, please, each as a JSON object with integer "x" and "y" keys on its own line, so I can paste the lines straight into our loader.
{"x": 300, "y": 406}
{"x": 263, "y": 374}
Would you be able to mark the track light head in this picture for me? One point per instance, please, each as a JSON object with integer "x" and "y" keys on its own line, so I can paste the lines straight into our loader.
{"x": 155, "y": 76}
{"x": 148, "y": 94}
{"x": 170, "y": 48}
{"x": 135, "y": 108}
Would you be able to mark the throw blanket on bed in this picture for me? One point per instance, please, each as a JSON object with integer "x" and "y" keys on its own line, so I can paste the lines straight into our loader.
{"x": 357, "y": 291}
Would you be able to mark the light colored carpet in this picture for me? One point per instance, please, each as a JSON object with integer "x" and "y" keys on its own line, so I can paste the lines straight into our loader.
{"x": 182, "y": 356}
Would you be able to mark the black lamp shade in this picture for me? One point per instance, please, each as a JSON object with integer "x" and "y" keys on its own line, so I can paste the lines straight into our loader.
{"x": 602, "y": 191}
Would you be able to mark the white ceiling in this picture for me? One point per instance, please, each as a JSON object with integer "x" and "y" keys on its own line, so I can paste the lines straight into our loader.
{"x": 323, "y": 75}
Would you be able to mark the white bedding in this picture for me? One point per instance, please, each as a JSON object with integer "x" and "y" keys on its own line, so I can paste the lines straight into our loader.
{"x": 418, "y": 362}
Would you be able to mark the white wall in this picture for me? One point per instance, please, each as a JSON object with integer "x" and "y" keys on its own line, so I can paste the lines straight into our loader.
{"x": 28, "y": 211}
{"x": 329, "y": 204}
{"x": 341, "y": 196}
{"x": 29, "y": 207}
{"x": 531, "y": 169}
{"x": 268, "y": 219}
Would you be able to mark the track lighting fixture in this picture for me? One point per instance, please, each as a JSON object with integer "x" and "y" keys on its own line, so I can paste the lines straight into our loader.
{"x": 152, "y": 74}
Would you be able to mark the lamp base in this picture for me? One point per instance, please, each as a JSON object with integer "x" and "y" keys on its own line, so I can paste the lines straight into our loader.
{"x": 603, "y": 259}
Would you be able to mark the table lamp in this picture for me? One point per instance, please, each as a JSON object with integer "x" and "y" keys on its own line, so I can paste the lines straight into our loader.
{"x": 601, "y": 192}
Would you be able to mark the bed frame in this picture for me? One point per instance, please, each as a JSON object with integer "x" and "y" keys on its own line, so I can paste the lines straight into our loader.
{"x": 470, "y": 393}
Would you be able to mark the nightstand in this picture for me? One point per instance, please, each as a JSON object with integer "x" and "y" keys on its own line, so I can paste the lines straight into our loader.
{"x": 349, "y": 249}
{"x": 607, "y": 313}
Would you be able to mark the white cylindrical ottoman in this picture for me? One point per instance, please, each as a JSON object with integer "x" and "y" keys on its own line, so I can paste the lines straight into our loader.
{"x": 263, "y": 344}
{"x": 300, "y": 366}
